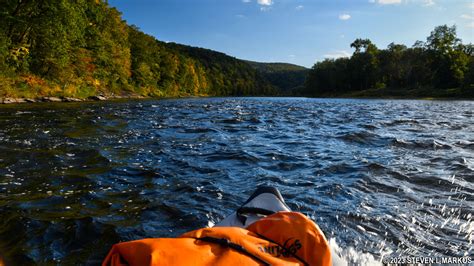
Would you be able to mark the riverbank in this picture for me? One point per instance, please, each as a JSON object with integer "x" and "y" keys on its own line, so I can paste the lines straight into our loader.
{"x": 101, "y": 97}
{"x": 402, "y": 94}
{"x": 419, "y": 93}
{"x": 49, "y": 99}
{"x": 413, "y": 94}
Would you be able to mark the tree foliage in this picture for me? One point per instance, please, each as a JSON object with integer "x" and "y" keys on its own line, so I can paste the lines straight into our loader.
{"x": 83, "y": 47}
{"x": 440, "y": 63}
{"x": 287, "y": 78}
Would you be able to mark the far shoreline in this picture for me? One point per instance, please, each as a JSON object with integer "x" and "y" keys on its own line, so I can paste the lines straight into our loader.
{"x": 9, "y": 101}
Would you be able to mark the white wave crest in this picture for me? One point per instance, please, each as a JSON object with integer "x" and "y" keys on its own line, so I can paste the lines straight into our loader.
{"x": 349, "y": 256}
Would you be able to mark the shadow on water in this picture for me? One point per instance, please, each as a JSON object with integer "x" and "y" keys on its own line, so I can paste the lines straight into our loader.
{"x": 379, "y": 177}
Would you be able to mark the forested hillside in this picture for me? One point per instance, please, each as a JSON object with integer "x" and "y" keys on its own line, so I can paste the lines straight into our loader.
{"x": 288, "y": 78}
{"x": 83, "y": 48}
{"x": 440, "y": 67}
{"x": 227, "y": 75}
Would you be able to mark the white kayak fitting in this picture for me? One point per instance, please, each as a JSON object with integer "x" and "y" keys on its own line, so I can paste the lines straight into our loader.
{"x": 264, "y": 201}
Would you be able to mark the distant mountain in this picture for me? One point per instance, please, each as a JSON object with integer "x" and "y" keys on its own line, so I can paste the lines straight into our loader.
{"x": 230, "y": 75}
{"x": 275, "y": 67}
{"x": 286, "y": 77}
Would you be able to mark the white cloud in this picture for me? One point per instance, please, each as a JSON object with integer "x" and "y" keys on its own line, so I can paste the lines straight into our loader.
{"x": 429, "y": 3}
{"x": 240, "y": 16}
{"x": 265, "y": 5}
{"x": 337, "y": 54}
{"x": 265, "y": 2}
{"x": 300, "y": 7}
{"x": 246, "y": 1}
{"x": 470, "y": 18}
{"x": 386, "y": 2}
{"x": 426, "y": 3}
{"x": 344, "y": 16}
{"x": 471, "y": 5}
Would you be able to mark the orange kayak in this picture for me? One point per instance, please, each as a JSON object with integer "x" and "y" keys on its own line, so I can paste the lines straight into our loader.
{"x": 262, "y": 232}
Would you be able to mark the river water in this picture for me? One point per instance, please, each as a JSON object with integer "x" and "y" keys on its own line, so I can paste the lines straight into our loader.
{"x": 380, "y": 177}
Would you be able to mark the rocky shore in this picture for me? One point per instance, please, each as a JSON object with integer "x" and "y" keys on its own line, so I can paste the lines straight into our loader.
{"x": 9, "y": 100}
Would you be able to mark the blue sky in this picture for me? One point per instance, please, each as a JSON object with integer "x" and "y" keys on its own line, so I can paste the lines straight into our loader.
{"x": 295, "y": 31}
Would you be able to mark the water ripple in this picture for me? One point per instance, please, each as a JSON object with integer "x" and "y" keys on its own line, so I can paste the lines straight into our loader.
{"x": 380, "y": 177}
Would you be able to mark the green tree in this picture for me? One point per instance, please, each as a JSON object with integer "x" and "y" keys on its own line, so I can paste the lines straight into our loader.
{"x": 440, "y": 63}
{"x": 449, "y": 61}
{"x": 364, "y": 64}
